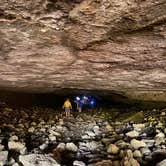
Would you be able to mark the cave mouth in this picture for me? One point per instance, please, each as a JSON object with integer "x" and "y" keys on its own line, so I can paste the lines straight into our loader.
{"x": 55, "y": 100}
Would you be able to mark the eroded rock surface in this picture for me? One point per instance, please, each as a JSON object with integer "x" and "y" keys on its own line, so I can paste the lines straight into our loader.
{"x": 92, "y": 45}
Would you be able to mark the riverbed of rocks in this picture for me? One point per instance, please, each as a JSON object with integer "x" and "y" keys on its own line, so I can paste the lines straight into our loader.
{"x": 45, "y": 137}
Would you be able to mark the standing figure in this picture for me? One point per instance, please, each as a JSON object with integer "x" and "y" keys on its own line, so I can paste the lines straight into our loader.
{"x": 67, "y": 106}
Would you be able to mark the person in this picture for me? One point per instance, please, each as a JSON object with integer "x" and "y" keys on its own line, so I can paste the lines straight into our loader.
{"x": 67, "y": 106}
{"x": 79, "y": 105}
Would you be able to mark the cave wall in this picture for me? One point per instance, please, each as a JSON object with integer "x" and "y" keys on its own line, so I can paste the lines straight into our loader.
{"x": 99, "y": 45}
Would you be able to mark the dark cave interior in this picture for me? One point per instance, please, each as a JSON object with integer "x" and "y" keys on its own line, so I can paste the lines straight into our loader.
{"x": 56, "y": 99}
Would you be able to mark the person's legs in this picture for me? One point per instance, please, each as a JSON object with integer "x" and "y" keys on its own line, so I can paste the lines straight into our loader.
{"x": 67, "y": 110}
{"x": 79, "y": 109}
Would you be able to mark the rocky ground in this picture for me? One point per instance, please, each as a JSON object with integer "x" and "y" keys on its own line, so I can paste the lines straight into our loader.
{"x": 44, "y": 137}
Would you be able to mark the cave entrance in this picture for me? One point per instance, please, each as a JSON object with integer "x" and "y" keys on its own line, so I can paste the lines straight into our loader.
{"x": 55, "y": 100}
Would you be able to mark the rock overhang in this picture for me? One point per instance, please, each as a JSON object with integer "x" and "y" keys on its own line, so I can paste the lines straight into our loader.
{"x": 37, "y": 57}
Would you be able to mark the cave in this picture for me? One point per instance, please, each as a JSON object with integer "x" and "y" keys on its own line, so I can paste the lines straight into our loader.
{"x": 109, "y": 52}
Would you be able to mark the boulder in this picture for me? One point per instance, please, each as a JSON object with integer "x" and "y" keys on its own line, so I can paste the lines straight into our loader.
{"x": 74, "y": 45}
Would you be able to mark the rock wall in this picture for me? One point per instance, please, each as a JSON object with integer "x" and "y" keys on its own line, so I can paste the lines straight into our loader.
{"x": 102, "y": 45}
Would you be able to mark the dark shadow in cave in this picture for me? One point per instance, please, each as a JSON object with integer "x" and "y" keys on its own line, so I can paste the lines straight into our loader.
{"x": 55, "y": 100}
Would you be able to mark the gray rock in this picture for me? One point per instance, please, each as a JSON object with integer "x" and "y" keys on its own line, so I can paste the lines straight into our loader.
{"x": 145, "y": 151}
{"x": 3, "y": 157}
{"x": 61, "y": 146}
{"x": 162, "y": 163}
{"x": 52, "y": 138}
{"x": 1, "y": 147}
{"x": 149, "y": 143}
{"x": 84, "y": 137}
{"x": 90, "y": 146}
{"x": 43, "y": 146}
{"x": 37, "y": 160}
{"x": 90, "y": 133}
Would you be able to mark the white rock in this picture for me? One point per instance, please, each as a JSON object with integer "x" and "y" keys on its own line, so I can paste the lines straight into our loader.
{"x": 37, "y": 160}
{"x": 33, "y": 124}
{"x": 43, "y": 146}
{"x": 160, "y": 135}
{"x": 61, "y": 146}
{"x": 52, "y": 132}
{"x": 165, "y": 130}
{"x": 78, "y": 163}
{"x": 159, "y": 138}
{"x": 17, "y": 146}
{"x": 15, "y": 164}
{"x": 132, "y": 134}
{"x": 149, "y": 143}
{"x": 72, "y": 147}
{"x": 136, "y": 144}
{"x": 112, "y": 149}
{"x": 52, "y": 138}
{"x": 162, "y": 163}
{"x": 137, "y": 153}
{"x": 3, "y": 157}
{"x": 90, "y": 133}
{"x": 85, "y": 137}
{"x": 31, "y": 129}
{"x": 13, "y": 138}
{"x": 43, "y": 130}
{"x": 89, "y": 146}
{"x": 139, "y": 127}
{"x": 163, "y": 113}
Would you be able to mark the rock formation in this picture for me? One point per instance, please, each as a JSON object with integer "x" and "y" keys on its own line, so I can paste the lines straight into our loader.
{"x": 104, "y": 45}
